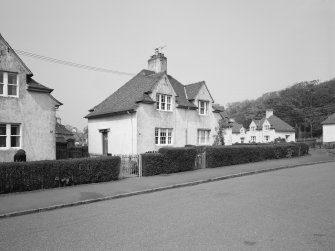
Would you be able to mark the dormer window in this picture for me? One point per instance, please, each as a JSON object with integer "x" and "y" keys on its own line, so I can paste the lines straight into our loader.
{"x": 163, "y": 102}
{"x": 8, "y": 84}
{"x": 203, "y": 107}
{"x": 252, "y": 128}
{"x": 266, "y": 127}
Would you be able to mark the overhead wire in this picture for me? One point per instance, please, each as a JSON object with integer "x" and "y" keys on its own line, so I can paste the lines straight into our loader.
{"x": 72, "y": 64}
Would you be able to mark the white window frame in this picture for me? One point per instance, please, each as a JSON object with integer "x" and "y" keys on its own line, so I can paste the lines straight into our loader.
{"x": 252, "y": 128}
{"x": 163, "y": 102}
{"x": 267, "y": 127}
{"x": 253, "y": 138}
{"x": 203, "y": 139}
{"x": 163, "y": 136}
{"x": 6, "y": 84}
{"x": 8, "y": 136}
{"x": 203, "y": 105}
{"x": 266, "y": 138}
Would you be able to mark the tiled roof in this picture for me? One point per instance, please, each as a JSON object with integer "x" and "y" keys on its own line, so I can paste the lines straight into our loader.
{"x": 181, "y": 96}
{"x": 193, "y": 89}
{"x": 62, "y": 131}
{"x": 128, "y": 95}
{"x": 135, "y": 91}
{"x": 329, "y": 120}
{"x": 35, "y": 86}
{"x": 236, "y": 127}
{"x": 277, "y": 124}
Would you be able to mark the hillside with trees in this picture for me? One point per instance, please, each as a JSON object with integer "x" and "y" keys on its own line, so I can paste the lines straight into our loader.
{"x": 303, "y": 105}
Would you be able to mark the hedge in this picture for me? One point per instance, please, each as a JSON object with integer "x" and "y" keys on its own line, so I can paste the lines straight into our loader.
{"x": 169, "y": 160}
{"x": 27, "y": 176}
{"x": 231, "y": 155}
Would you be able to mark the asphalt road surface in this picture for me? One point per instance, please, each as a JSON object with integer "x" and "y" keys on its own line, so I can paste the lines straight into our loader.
{"x": 291, "y": 209}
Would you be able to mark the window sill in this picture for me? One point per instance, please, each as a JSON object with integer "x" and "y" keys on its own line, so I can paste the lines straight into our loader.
{"x": 163, "y": 110}
{"x": 9, "y": 148}
{"x": 6, "y": 96}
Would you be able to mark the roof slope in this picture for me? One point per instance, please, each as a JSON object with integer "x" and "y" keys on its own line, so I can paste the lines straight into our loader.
{"x": 181, "y": 98}
{"x": 330, "y": 120}
{"x": 35, "y": 86}
{"x": 193, "y": 89}
{"x": 278, "y": 124}
{"x": 128, "y": 95}
{"x": 236, "y": 127}
{"x": 136, "y": 90}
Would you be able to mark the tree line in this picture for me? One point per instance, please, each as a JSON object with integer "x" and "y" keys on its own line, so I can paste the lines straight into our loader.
{"x": 303, "y": 105}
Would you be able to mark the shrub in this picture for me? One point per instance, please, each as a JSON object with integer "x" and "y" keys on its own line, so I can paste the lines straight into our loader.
{"x": 152, "y": 164}
{"x": 169, "y": 160}
{"x": 20, "y": 156}
{"x": 231, "y": 155}
{"x": 26, "y": 176}
{"x": 178, "y": 159}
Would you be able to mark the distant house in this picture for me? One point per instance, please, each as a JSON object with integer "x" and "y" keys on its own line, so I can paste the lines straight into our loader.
{"x": 265, "y": 130}
{"x": 328, "y": 129}
{"x": 64, "y": 136}
{"x": 153, "y": 110}
{"x": 27, "y": 110}
{"x": 270, "y": 128}
{"x": 235, "y": 133}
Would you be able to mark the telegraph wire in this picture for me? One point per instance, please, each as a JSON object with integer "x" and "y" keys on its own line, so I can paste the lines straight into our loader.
{"x": 72, "y": 64}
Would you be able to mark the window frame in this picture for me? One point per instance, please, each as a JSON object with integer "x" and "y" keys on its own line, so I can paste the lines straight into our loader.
{"x": 6, "y": 84}
{"x": 253, "y": 137}
{"x": 8, "y": 136}
{"x": 206, "y": 136}
{"x": 205, "y": 107}
{"x": 165, "y": 101}
{"x": 164, "y": 135}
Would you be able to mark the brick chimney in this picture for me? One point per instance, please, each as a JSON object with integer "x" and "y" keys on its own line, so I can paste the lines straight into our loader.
{"x": 269, "y": 113}
{"x": 157, "y": 62}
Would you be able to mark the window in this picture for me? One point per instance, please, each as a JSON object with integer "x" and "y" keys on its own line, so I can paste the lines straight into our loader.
{"x": 163, "y": 136}
{"x": 163, "y": 102}
{"x": 252, "y": 128}
{"x": 266, "y": 127}
{"x": 203, "y": 107}
{"x": 10, "y": 135}
{"x": 242, "y": 140}
{"x": 266, "y": 138}
{"x": 203, "y": 137}
{"x": 8, "y": 84}
{"x": 253, "y": 138}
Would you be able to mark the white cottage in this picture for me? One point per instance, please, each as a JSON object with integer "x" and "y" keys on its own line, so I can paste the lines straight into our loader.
{"x": 153, "y": 110}
{"x": 265, "y": 130}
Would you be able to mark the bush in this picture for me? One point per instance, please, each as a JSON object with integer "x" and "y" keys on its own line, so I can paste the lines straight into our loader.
{"x": 231, "y": 155}
{"x": 169, "y": 160}
{"x": 27, "y": 176}
{"x": 178, "y": 159}
{"x": 152, "y": 164}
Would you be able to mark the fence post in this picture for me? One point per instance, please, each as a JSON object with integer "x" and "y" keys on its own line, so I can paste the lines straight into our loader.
{"x": 140, "y": 165}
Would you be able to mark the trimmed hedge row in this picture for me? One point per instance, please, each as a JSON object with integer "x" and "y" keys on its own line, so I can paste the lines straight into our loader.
{"x": 232, "y": 155}
{"x": 168, "y": 160}
{"x": 27, "y": 176}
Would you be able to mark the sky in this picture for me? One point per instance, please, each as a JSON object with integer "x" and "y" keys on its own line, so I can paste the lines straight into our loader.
{"x": 241, "y": 48}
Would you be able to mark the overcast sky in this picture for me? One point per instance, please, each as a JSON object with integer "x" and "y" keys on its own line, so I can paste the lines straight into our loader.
{"x": 241, "y": 48}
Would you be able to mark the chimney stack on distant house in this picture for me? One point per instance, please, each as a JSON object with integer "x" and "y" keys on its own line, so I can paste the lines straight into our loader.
{"x": 269, "y": 113}
{"x": 157, "y": 62}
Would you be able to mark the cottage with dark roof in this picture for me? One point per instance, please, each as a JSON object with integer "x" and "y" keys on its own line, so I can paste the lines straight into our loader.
{"x": 27, "y": 110}
{"x": 269, "y": 128}
{"x": 328, "y": 129}
{"x": 153, "y": 110}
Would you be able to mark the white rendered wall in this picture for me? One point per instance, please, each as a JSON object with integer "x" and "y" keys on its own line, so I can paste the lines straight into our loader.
{"x": 122, "y": 134}
{"x": 328, "y": 133}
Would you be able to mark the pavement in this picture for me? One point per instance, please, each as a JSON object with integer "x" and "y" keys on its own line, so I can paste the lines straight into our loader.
{"x": 22, "y": 203}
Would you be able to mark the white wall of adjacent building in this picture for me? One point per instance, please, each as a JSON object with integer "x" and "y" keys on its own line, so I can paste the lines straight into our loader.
{"x": 328, "y": 133}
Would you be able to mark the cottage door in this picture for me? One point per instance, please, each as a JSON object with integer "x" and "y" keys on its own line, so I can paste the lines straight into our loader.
{"x": 105, "y": 143}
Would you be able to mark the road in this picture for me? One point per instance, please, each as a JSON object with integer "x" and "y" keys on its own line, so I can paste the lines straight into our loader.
{"x": 291, "y": 209}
